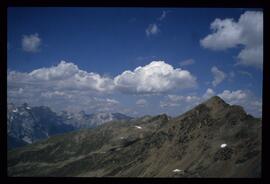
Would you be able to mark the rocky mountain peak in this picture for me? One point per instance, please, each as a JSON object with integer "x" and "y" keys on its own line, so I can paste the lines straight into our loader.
{"x": 216, "y": 105}
{"x": 213, "y": 106}
{"x": 215, "y": 102}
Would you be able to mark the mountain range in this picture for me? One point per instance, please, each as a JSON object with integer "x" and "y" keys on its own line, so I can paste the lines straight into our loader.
{"x": 26, "y": 124}
{"x": 214, "y": 139}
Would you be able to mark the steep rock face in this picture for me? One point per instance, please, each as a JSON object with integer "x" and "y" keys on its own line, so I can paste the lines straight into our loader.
{"x": 27, "y": 124}
{"x": 212, "y": 140}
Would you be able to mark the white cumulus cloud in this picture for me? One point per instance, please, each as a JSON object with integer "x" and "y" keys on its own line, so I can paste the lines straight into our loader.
{"x": 62, "y": 86}
{"x": 156, "y": 77}
{"x": 233, "y": 96}
{"x": 68, "y": 75}
{"x": 251, "y": 57}
{"x": 245, "y": 98}
{"x": 152, "y": 29}
{"x": 62, "y": 71}
{"x": 172, "y": 100}
{"x": 163, "y": 15}
{"x": 226, "y": 34}
{"x": 246, "y": 32}
{"x": 209, "y": 93}
{"x": 219, "y": 76}
{"x": 66, "y": 86}
{"x": 141, "y": 102}
{"x": 31, "y": 43}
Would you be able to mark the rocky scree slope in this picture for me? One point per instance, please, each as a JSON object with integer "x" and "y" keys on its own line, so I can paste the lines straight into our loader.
{"x": 214, "y": 139}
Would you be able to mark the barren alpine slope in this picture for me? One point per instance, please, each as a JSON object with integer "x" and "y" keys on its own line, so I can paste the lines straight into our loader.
{"x": 214, "y": 139}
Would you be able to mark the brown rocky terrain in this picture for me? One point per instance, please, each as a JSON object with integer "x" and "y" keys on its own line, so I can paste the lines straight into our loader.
{"x": 214, "y": 139}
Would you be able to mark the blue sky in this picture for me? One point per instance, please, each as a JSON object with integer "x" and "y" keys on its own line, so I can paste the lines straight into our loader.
{"x": 109, "y": 41}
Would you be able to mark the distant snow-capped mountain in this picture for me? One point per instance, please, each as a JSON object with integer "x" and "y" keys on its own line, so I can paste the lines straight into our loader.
{"x": 82, "y": 120}
{"x": 26, "y": 124}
